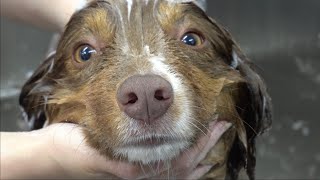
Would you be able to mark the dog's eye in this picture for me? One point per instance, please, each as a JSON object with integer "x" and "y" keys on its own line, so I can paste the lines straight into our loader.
{"x": 192, "y": 39}
{"x": 84, "y": 53}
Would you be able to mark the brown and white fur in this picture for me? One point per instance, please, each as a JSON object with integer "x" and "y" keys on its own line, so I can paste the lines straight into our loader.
{"x": 210, "y": 82}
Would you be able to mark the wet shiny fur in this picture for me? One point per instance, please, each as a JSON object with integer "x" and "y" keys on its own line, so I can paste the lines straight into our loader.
{"x": 211, "y": 82}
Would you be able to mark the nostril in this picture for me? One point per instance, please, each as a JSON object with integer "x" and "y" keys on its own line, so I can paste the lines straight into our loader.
{"x": 161, "y": 95}
{"x": 132, "y": 98}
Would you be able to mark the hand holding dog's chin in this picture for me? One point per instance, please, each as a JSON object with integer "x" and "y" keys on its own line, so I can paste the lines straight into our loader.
{"x": 60, "y": 151}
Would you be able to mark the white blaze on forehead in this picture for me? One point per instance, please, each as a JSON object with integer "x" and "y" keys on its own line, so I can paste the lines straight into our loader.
{"x": 129, "y": 4}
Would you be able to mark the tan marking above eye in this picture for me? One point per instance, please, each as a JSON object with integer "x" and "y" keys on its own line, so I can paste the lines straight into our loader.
{"x": 84, "y": 53}
{"x": 192, "y": 39}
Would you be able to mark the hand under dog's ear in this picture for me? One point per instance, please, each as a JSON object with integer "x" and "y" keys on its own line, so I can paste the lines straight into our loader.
{"x": 37, "y": 89}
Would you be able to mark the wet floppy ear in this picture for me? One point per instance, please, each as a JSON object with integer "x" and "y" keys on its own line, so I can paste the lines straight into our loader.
{"x": 35, "y": 93}
{"x": 255, "y": 106}
{"x": 259, "y": 110}
{"x": 259, "y": 113}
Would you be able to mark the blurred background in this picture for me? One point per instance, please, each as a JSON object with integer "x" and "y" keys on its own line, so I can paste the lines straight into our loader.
{"x": 281, "y": 36}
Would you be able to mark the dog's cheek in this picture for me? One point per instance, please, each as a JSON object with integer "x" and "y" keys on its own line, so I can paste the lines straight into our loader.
{"x": 65, "y": 106}
{"x": 104, "y": 120}
{"x": 203, "y": 91}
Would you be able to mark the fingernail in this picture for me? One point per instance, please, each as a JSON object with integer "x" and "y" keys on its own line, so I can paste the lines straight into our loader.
{"x": 227, "y": 125}
{"x": 208, "y": 167}
{"x": 223, "y": 125}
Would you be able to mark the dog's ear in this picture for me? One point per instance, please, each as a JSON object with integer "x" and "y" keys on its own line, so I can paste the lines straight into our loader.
{"x": 254, "y": 105}
{"x": 259, "y": 112}
{"x": 35, "y": 93}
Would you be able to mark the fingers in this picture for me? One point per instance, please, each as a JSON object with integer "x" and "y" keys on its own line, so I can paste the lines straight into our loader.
{"x": 218, "y": 130}
{"x": 82, "y": 160}
{"x": 193, "y": 156}
{"x": 186, "y": 163}
{"x": 199, "y": 172}
{"x": 82, "y": 156}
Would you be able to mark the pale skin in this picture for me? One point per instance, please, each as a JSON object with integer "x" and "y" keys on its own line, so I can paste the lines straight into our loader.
{"x": 59, "y": 150}
{"x": 47, "y": 14}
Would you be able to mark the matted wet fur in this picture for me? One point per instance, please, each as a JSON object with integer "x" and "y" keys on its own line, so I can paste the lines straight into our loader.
{"x": 212, "y": 81}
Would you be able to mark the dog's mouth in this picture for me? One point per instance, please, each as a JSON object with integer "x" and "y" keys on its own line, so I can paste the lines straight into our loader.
{"x": 150, "y": 142}
{"x": 151, "y": 149}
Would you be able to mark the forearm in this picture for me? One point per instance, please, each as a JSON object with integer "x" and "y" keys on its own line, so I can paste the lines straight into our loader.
{"x": 50, "y": 14}
{"x": 55, "y": 152}
{"x": 23, "y": 156}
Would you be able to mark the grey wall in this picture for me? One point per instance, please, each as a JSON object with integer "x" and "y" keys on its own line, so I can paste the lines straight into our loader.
{"x": 281, "y": 36}
{"x": 22, "y": 50}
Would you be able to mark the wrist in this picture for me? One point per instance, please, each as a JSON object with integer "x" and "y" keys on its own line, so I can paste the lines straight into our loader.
{"x": 22, "y": 155}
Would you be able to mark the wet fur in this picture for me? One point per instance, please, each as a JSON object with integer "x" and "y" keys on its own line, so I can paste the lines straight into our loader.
{"x": 62, "y": 90}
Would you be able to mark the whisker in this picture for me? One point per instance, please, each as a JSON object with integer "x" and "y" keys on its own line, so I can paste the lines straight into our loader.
{"x": 238, "y": 118}
{"x": 255, "y": 132}
{"x": 143, "y": 171}
{"x": 197, "y": 127}
{"x": 194, "y": 119}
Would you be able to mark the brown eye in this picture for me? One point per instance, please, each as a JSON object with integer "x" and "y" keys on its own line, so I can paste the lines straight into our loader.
{"x": 192, "y": 39}
{"x": 84, "y": 53}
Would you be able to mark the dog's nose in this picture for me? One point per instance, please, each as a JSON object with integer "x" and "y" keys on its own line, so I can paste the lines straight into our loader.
{"x": 145, "y": 97}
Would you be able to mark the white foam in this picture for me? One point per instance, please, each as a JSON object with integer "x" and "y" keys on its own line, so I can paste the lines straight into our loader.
{"x": 129, "y": 4}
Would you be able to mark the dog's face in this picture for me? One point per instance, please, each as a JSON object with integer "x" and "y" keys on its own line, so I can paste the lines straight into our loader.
{"x": 145, "y": 78}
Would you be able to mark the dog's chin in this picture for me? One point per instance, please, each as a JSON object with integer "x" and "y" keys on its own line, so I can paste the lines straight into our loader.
{"x": 152, "y": 152}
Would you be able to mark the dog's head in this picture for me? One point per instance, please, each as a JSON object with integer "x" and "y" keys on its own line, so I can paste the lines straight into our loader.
{"x": 145, "y": 78}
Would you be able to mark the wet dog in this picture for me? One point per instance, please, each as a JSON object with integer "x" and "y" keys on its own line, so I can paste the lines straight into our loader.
{"x": 145, "y": 78}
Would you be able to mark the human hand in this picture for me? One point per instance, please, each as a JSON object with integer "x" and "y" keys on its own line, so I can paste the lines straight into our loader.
{"x": 74, "y": 158}
{"x": 46, "y": 14}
